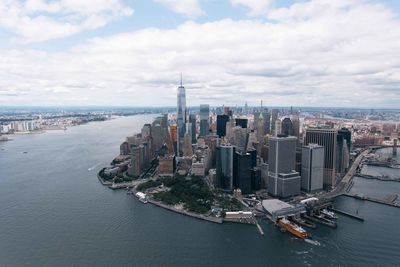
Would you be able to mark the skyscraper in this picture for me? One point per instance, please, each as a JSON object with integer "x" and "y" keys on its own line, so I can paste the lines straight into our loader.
{"x": 241, "y": 122}
{"x": 274, "y": 117}
{"x": 312, "y": 167}
{"x": 181, "y": 116}
{"x": 221, "y": 124}
{"x": 192, "y": 120}
{"x": 326, "y": 137}
{"x": 283, "y": 180}
{"x": 287, "y": 127}
{"x": 225, "y": 167}
{"x": 242, "y": 171}
{"x": 204, "y": 119}
{"x": 278, "y": 127}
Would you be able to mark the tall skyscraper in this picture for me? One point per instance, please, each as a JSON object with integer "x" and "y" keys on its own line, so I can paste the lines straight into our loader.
{"x": 192, "y": 120}
{"x": 326, "y": 137}
{"x": 278, "y": 127}
{"x": 204, "y": 120}
{"x": 283, "y": 180}
{"x": 287, "y": 127}
{"x": 274, "y": 118}
{"x": 225, "y": 167}
{"x": 181, "y": 117}
{"x": 242, "y": 171}
{"x": 347, "y": 136}
{"x": 312, "y": 167}
{"x": 221, "y": 124}
{"x": 241, "y": 122}
{"x": 267, "y": 122}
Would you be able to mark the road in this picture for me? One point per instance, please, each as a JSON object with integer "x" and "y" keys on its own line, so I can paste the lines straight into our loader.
{"x": 341, "y": 187}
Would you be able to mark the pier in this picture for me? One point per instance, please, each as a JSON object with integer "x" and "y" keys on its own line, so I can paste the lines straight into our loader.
{"x": 388, "y": 200}
{"x": 381, "y": 178}
{"x": 259, "y": 228}
{"x": 347, "y": 214}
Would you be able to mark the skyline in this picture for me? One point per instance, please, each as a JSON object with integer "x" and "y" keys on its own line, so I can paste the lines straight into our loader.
{"x": 127, "y": 53}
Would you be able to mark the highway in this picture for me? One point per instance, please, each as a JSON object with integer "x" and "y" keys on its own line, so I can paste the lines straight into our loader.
{"x": 341, "y": 187}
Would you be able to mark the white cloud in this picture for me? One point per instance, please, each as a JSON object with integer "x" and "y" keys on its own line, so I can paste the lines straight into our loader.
{"x": 189, "y": 8}
{"x": 310, "y": 56}
{"x": 40, "y": 20}
{"x": 256, "y": 7}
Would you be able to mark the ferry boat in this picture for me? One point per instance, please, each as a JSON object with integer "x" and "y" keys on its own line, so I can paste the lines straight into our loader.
{"x": 329, "y": 214}
{"x": 142, "y": 197}
{"x": 293, "y": 228}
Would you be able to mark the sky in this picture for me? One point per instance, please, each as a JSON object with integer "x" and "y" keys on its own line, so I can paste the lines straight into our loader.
{"x": 324, "y": 53}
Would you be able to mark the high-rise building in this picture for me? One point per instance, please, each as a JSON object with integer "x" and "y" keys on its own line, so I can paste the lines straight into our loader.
{"x": 221, "y": 124}
{"x": 283, "y": 180}
{"x": 326, "y": 137}
{"x": 287, "y": 127}
{"x": 312, "y": 167}
{"x": 267, "y": 122}
{"x": 224, "y": 167}
{"x": 296, "y": 127}
{"x": 346, "y": 136}
{"x": 274, "y": 118}
{"x": 181, "y": 116}
{"x": 174, "y": 137}
{"x": 278, "y": 128}
{"x": 192, "y": 120}
{"x": 241, "y": 122}
{"x": 242, "y": 171}
{"x": 204, "y": 120}
{"x": 187, "y": 146}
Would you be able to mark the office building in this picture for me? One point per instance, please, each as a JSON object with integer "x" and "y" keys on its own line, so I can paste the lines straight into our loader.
{"x": 287, "y": 127}
{"x": 326, "y": 137}
{"x": 283, "y": 180}
{"x": 274, "y": 118}
{"x": 181, "y": 117}
{"x": 224, "y": 167}
{"x": 192, "y": 121}
{"x": 241, "y": 122}
{"x": 312, "y": 167}
{"x": 242, "y": 172}
{"x": 221, "y": 125}
{"x": 204, "y": 120}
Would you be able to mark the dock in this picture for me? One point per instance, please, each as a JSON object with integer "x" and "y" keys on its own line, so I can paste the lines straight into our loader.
{"x": 347, "y": 214}
{"x": 316, "y": 220}
{"x": 260, "y": 229}
{"x": 389, "y": 201}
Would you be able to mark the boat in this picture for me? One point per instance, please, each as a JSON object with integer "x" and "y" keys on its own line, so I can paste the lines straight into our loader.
{"x": 329, "y": 214}
{"x": 293, "y": 228}
{"x": 303, "y": 222}
{"x": 142, "y": 197}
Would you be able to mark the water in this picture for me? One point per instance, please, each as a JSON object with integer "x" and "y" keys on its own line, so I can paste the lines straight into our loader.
{"x": 54, "y": 212}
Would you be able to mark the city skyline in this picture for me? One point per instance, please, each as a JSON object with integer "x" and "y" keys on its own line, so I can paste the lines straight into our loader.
{"x": 119, "y": 53}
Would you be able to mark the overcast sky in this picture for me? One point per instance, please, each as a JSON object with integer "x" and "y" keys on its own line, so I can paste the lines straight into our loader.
{"x": 343, "y": 53}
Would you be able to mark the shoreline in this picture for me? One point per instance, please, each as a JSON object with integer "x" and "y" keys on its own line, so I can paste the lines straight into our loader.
{"x": 187, "y": 213}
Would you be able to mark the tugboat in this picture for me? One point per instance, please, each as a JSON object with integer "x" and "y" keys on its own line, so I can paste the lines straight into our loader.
{"x": 293, "y": 228}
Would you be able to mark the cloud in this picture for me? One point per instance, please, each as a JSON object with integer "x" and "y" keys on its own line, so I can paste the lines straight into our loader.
{"x": 189, "y": 8}
{"x": 309, "y": 55}
{"x": 39, "y": 20}
{"x": 255, "y": 7}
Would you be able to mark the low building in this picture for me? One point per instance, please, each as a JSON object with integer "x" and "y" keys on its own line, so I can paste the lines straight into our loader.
{"x": 238, "y": 215}
{"x": 277, "y": 209}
